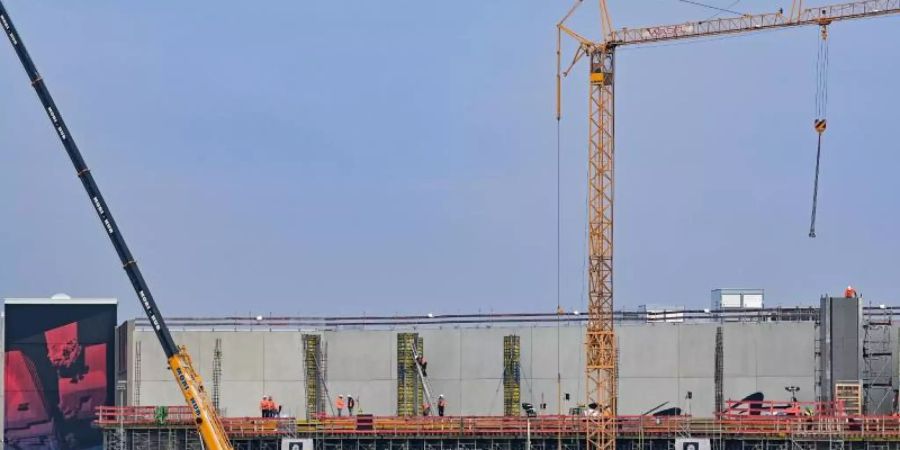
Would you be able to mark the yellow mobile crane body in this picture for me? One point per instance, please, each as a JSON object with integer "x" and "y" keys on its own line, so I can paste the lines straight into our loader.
{"x": 189, "y": 381}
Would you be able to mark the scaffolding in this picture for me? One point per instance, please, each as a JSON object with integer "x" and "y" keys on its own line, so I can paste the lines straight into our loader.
{"x": 850, "y": 395}
{"x": 217, "y": 375}
{"x": 512, "y": 375}
{"x": 878, "y": 374}
{"x": 136, "y": 400}
{"x": 719, "y": 371}
{"x": 316, "y": 390}
{"x": 410, "y": 379}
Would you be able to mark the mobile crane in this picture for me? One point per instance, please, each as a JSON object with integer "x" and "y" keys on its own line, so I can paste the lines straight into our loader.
{"x": 189, "y": 381}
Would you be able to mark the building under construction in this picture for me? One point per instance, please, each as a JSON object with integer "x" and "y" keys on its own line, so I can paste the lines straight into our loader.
{"x": 675, "y": 366}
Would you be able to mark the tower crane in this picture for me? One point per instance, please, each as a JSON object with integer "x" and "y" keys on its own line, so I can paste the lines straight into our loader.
{"x": 189, "y": 381}
{"x": 600, "y": 340}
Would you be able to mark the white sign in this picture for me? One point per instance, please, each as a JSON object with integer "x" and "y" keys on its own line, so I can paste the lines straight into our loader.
{"x": 691, "y": 444}
{"x": 300, "y": 444}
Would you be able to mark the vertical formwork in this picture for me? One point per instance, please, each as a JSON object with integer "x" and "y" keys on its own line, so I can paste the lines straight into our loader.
{"x": 408, "y": 386}
{"x": 719, "y": 371}
{"x": 217, "y": 375}
{"x": 312, "y": 357}
{"x": 512, "y": 375}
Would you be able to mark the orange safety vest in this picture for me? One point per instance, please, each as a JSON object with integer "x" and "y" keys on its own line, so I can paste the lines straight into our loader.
{"x": 263, "y": 404}
{"x": 339, "y": 403}
{"x": 442, "y": 403}
{"x": 850, "y": 293}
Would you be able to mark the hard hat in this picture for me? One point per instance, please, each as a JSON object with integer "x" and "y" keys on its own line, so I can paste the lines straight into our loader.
{"x": 441, "y": 396}
{"x": 341, "y": 396}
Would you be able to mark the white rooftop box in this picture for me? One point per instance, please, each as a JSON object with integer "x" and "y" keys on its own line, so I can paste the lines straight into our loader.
{"x": 737, "y": 298}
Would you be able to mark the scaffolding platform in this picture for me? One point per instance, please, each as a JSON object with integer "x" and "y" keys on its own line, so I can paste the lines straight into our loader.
{"x": 135, "y": 428}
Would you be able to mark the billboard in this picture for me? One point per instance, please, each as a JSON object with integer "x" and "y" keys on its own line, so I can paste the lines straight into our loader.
{"x": 59, "y": 368}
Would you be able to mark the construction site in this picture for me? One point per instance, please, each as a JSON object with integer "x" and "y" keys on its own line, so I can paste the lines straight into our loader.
{"x": 741, "y": 374}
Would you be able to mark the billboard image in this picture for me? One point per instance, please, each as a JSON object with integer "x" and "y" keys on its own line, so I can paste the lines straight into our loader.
{"x": 59, "y": 368}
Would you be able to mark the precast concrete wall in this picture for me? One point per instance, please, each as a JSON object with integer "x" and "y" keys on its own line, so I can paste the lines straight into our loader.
{"x": 657, "y": 363}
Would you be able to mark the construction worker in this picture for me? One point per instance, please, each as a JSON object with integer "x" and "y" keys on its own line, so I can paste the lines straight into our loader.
{"x": 423, "y": 363}
{"x": 350, "y": 404}
{"x": 274, "y": 408}
{"x": 442, "y": 405}
{"x": 263, "y": 407}
{"x": 426, "y": 408}
{"x": 270, "y": 407}
{"x": 850, "y": 292}
{"x": 339, "y": 405}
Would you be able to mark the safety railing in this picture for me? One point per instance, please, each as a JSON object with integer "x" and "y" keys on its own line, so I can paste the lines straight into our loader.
{"x": 755, "y": 426}
{"x": 180, "y": 416}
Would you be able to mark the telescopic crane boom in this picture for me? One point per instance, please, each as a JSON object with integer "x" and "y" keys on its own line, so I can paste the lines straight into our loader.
{"x": 189, "y": 381}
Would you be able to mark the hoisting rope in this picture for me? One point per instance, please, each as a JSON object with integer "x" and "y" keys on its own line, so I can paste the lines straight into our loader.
{"x": 820, "y": 123}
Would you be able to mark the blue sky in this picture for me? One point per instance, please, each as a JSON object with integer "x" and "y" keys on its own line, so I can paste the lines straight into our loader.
{"x": 400, "y": 157}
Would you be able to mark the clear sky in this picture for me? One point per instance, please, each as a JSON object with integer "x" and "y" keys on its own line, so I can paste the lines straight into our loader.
{"x": 355, "y": 157}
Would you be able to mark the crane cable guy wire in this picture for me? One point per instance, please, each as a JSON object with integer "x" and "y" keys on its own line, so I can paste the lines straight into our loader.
{"x": 820, "y": 123}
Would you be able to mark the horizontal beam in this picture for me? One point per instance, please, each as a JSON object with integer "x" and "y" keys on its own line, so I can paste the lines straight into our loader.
{"x": 753, "y": 22}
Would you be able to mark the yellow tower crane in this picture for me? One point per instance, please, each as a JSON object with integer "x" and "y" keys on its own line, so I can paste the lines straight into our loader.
{"x": 600, "y": 341}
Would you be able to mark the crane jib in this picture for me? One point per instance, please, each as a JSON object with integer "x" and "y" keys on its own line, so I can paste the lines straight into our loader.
{"x": 90, "y": 186}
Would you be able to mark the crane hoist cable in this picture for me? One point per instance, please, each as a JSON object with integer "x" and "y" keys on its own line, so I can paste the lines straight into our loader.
{"x": 820, "y": 123}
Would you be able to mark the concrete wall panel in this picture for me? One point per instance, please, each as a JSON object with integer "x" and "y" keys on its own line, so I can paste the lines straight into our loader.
{"x": 243, "y": 356}
{"x": 652, "y": 350}
{"x": 355, "y": 355}
{"x": 482, "y": 352}
{"x": 639, "y": 395}
{"x": 443, "y": 354}
{"x": 658, "y": 363}
{"x": 283, "y": 360}
{"x": 696, "y": 351}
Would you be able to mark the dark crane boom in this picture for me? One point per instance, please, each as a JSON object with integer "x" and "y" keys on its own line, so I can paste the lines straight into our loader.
{"x": 189, "y": 381}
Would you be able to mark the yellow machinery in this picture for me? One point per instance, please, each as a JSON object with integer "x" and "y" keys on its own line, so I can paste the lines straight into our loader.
{"x": 600, "y": 341}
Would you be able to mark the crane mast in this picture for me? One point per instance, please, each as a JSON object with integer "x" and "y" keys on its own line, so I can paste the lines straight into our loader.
{"x": 600, "y": 339}
{"x": 189, "y": 381}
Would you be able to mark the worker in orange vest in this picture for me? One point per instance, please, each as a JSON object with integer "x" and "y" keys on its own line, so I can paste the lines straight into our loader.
{"x": 263, "y": 407}
{"x": 426, "y": 408}
{"x": 274, "y": 408}
{"x": 442, "y": 405}
{"x": 850, "y": 292}
{"x": 339, "y": 405}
